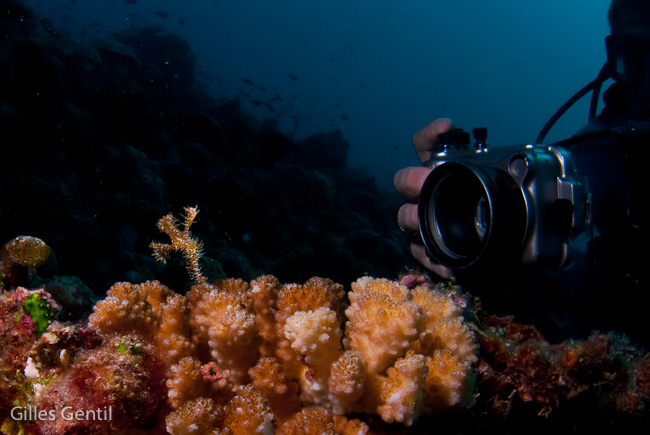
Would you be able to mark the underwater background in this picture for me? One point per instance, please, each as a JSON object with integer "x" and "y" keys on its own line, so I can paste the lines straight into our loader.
{"x": 274, "y": 129}
{"x": 283, "y": 122}
{"x": 376, "y": 70}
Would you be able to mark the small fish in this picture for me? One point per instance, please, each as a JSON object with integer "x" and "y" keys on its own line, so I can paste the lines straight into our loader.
{"x": 248, "y": 82}
{"x": 162, "y": 14}
{"x": 292, "y": 77}
{"x": 130, "y": 2}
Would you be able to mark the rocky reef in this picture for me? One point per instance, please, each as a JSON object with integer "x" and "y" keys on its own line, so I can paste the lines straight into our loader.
{"x": 101, "y": 139}
{"x": 234, "y": 357}
{"x": 244, "y": 357}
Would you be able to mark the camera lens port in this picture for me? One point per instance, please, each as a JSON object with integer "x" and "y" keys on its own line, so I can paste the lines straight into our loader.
{"x": 467, "y": 214}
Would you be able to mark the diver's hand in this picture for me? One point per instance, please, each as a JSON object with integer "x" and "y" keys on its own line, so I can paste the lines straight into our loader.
{"x": 408, "y": 182}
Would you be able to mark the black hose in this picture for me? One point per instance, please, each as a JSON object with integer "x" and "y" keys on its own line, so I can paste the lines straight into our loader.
{"x": 594, "y": 85}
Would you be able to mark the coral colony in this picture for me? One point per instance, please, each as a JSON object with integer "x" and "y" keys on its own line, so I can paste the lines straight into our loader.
{"x": 262, "y": 357}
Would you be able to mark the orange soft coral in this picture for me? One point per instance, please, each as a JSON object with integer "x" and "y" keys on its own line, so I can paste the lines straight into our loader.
{"x": 173, "y": 337}
{"x": 396, "y": 317}
{"x": 314, "y": 294}
{"x": 264, "y": 291}
{"x": 422, "y": 360}
{"x": 125, "y": 310}
{"x": 401, "y": 393}
{"x": 449, "y": 381}
{"x": 247, "y": 413}
{"x": 246, "y": 357}
{"x": 185, "y": 382}
{"x": 224, "y": 323}
{"x": 316, "y": 336}
{"x": 197, "y": 416}
{"x": 279, "y": 390}
{"x": 347, "y": 381}
{"x": 150, "y": 310}
{"x": 317, "y": 420}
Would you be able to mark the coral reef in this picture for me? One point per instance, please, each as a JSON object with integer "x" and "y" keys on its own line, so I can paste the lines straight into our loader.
{"x": 518, "y": 366}
{"x": 297, "y": 330}
{"x": 19, "y": 259}
{"x": 238, "y": 357}
{"x": 120, "y": 381}
{"x": 41, "y": 308}
{"x": 18, "y": 332}
{"x": 424, "y": 340}
{"x": 318, "y": 420}
{"x": 250, "y": 355}
{"x": 26, "y": 251}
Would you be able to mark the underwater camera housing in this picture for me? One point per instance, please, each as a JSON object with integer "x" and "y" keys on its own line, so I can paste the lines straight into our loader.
{"x": 483, "y": 206}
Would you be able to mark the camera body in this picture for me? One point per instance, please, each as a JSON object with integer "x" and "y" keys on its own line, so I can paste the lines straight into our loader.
{"x": 481, "y": 205}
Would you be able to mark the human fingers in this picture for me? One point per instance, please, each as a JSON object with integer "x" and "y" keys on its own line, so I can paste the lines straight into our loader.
{"x": 407, "y": 218}
{"x": 408, "y": 181}
{"x": 419, "y": 253}
{"x": 425, "y": 140}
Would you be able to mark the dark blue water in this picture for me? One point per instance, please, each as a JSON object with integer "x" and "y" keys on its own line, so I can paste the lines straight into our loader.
{"x": 377, "y": 70}
{"x": 284, "y": 122}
